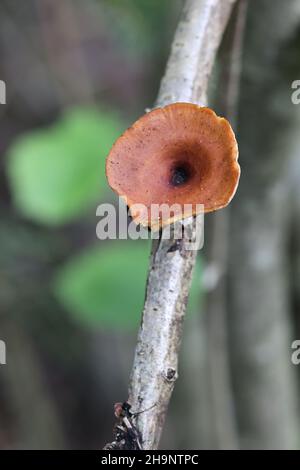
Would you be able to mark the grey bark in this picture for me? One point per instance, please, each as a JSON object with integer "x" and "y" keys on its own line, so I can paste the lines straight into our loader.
{"x": 220, "y": 399}
{"x": 259, "y": 307}
{"x": 156, "y": 357}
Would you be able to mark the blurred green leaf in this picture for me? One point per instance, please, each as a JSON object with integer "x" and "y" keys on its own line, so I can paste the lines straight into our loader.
{"x": 57, "y": 173}
{"x": 106, "y": 286}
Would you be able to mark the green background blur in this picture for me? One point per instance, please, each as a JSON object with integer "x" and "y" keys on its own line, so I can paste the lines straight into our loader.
{"x": 78, "y": 73}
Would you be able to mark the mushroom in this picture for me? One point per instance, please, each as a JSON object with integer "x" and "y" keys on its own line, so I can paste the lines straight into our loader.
{"x": 182, "y": 154}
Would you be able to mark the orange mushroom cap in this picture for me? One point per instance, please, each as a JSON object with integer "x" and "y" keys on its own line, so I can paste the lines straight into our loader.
{"x": 177, "y": 155}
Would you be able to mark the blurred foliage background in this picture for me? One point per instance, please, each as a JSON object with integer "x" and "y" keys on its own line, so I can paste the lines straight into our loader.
{"x": 77, "y": 74}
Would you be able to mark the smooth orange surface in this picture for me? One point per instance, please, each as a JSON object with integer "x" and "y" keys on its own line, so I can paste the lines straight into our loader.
{"x": 142, "y": 161}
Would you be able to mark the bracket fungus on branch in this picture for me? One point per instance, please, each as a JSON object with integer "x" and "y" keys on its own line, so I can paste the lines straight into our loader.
{"x": 181, "y": 157}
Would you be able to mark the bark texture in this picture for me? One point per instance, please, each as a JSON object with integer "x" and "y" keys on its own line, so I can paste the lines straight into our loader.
{"x": 156, "y": 357}
{"x": 259, "y": 308}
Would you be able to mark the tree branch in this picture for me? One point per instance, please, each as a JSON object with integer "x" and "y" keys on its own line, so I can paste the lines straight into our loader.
{"x": 155, "y": 364}
{"x": 223, "y": 420}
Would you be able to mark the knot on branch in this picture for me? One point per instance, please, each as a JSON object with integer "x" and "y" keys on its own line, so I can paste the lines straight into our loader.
{"x": 170, "y": 375}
